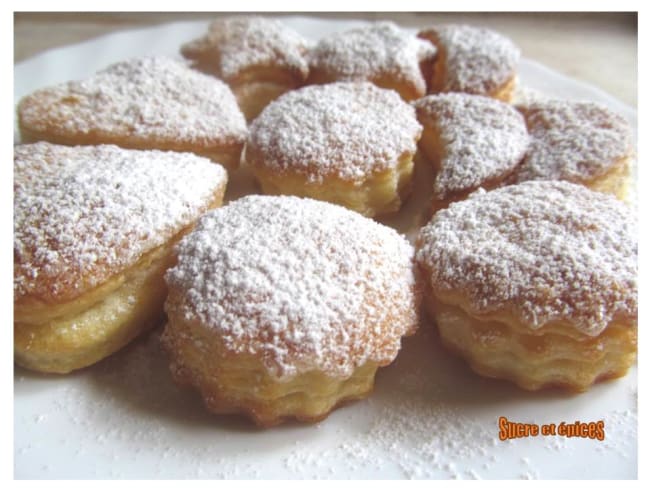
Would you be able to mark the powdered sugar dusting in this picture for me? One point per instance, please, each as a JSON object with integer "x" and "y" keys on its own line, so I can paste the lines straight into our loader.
{"x": 544, "y": 250}
{"x": 477, "y": 59}
{"x": 366, "y": 53}
{"x": 82, "y": 214}
{"x": 144, "y": 98}
{"x": 428, "y": 418}
{"x": 573, "y": 141}
{"x": 304, "y": 284}
{"x": 234, "y": 44}
{"x": 423, "y": 439}
{"x": 482, "y": 139}
{"x": 347, "y": 129}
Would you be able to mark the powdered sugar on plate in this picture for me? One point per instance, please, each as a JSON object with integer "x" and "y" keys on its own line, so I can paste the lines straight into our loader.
{"x": 429, "y": 418}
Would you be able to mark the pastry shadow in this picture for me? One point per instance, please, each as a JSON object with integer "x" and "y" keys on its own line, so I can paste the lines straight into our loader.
{"x": 138, "y": 376}
{"x": 241, "y": 183}
{"x": 416, "y": 210}
{"x": 425, "y": 372}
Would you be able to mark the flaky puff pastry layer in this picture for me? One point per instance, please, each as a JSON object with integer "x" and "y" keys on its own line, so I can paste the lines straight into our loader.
{"x": 331, "y": 142}
{"x": 65, "y": 337}
{"x": 284, "y": 307}
{"x": 472, "y": 60}
{"x": 535, "y": 283}
{"x": 257, "y": 86}
{"x": 497, "y": 346}
{"x": 616, "y": 181}
{"x": 259, "y": 58}
{"x": 239, "y": 383}
{"x": 228, "y": 154}
{"x": 59, "y": 336}
{"x": 142, "y": 103}
{"x": 381, "y": 193}
{"x": 253, "y": 96}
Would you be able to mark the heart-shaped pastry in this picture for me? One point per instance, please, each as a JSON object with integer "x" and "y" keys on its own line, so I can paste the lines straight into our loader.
{"x": 142, "y": 103}
{"x": 94, "y": 228}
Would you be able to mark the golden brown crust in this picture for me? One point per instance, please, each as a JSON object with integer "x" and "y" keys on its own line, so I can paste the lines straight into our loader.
{"x": 581, "y": 142}
{"x": 471, "y": 141}
{"x": 331, "y": 142}
{"x": 296, "y": 317}
{"x": 64, "y": 336}
{"x": 535, "y": 283}
{"x": 95, "y": 220}
{"x": 541, "y": 251}
{"x": 472, "y": 60}
{"x": 259, "y": 58}
{"x": 407, "y": 89}
{"x": 382, "y": 193}
{"x": 226, "y": 152}
{"x": 239, "y": 384}
{"x": 144, "y": 103}
{"x": 256, "y": 86}
{"x": 253, "y": 96}
{"x": 94, "y": 230}
{"x": 380, "y": 53}
{"x": 616, "y": 181}
{"x": 552, "y": 357}
{"x": 242, "y": 49}
{"x": 97, "y": 324}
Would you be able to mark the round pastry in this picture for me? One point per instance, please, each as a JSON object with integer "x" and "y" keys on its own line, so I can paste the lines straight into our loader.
{"x": 347, "y": 143}
{"x": 259, "y": 58}
{"x": 94, "y": 228}
{"x": 282, "y": 307}
{"x": 581, "y": 142}
{"x": 535, "y": 283}
{"x": 147, "y": 103}
{"x": 381, "y": 53}
{"x": 472, "y": 141}
{"x": 473, "y": 60}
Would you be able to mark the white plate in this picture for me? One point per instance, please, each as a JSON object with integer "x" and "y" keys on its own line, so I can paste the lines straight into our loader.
{"x": 429, "y": 417}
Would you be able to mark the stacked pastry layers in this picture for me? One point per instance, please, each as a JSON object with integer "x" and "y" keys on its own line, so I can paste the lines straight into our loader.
{"x": 94, "y": 228}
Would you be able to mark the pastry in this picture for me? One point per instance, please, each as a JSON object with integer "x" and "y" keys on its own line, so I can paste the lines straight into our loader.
{"x": 259, "y": 58}
{"x": 349, "y": 143}
{"x": 580, "y": 142}
{"x": 143, "y": 103}
{"x": 472, "y": 141}
{"x": 281, "y": 307}
{"x": 94, "y": 227}
{"x": 381, "y": 53}
{"x": 535, "y": 283}
{"x": 472, "y": 60}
